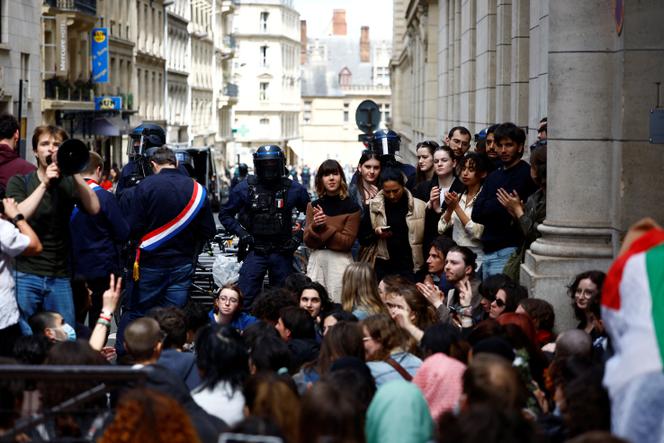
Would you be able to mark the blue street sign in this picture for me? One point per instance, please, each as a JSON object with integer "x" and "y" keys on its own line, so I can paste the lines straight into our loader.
{"x": 108, "y": 103}
{"x": 99, "y": 49}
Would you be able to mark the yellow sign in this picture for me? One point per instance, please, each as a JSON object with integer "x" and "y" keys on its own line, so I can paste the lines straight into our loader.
{"x": 100, "y": 36}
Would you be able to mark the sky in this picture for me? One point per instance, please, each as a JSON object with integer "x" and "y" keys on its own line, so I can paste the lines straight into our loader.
{"x": 377, "y": 14}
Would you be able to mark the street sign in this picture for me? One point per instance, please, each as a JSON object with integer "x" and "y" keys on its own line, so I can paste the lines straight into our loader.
{"x": 99, "y": 49}
{"x": 108, "y": 103}
{"x": 367, "y": 116}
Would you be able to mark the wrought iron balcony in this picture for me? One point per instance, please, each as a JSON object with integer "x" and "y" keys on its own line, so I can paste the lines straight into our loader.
{"x": 84, "y": 6}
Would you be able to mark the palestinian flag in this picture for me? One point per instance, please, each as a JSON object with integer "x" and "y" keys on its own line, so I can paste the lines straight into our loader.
{"x": 633, "y": 311}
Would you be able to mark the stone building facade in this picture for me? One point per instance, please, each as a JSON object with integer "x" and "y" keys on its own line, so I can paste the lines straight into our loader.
{"x": 590, "y": 68}
{"x": 267, "y": 72}
{"x": 20, "y": 60}
{"x": 338, "y": 73}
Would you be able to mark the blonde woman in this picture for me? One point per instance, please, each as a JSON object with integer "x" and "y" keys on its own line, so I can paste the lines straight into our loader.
{"x": 332, "y": 224}
{"x": 359, "y": 293}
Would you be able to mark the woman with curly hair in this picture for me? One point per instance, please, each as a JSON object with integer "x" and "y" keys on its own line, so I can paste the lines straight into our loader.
{"x": 146, "y": 416}
{"x": 387, "y": 349}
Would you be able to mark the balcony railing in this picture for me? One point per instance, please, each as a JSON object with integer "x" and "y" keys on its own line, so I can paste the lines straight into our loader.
{"x": 57, "y": 90}
{"x": 230, "y": 90}
{"x": 84, "y": 6}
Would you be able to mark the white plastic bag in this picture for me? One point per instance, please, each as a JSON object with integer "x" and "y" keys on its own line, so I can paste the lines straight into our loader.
{"x": 225, "y": 269}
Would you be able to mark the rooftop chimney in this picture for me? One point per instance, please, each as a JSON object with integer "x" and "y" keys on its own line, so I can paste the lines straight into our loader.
{"x": 365, "y": 46}
{"x": 303, "y": 42}
{"x": 339, "y": 22}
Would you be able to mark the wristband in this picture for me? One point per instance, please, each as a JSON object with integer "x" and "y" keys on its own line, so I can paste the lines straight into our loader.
{"x": 103, "y": 322}
{"x": 17, "y": 218}
{"x": 107, "y": 313}
{"x": 103, "y": 317}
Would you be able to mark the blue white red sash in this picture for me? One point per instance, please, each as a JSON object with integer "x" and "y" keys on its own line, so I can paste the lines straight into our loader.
{"x": 154, "y": 239}
{"x": 95, "y": 187}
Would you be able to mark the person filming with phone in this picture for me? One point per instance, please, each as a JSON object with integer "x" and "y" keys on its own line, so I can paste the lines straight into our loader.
{"x": 392, "y": 229}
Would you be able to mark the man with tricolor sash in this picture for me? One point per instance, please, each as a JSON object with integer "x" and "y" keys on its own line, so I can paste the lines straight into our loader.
{"x": 170, "y": 218}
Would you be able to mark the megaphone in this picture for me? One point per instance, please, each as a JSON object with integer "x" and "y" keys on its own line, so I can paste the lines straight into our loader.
{"x": 73, "y": 156}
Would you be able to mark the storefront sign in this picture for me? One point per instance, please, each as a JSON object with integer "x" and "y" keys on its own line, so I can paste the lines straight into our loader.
{"x": 108, "y": 103}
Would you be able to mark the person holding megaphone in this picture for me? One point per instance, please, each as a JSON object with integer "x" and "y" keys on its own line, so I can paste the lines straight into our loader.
{"x": 46, "y": 199}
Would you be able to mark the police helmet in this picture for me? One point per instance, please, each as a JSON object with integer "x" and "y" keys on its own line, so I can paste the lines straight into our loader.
{"x": 153, "y": 135}
{"x": 269, "y": 162}
{"x": 385, "y": 142}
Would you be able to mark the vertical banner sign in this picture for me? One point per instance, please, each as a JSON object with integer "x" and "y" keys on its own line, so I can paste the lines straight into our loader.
{"x": 99, "y": 48}
{"x": 61, "y": 63}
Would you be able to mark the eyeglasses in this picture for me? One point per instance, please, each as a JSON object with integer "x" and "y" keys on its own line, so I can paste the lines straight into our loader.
{"x": 231, "y": 300}
{"x": 499, "y": 302}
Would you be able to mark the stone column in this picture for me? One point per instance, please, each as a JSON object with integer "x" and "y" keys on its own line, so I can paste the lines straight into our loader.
{"x": 602, "y": 172}
{"x": 503, "y": 59}
{"x": 467, "y": 70}
{"x": 519, "y": 62}
{"x": 485, "y": 64}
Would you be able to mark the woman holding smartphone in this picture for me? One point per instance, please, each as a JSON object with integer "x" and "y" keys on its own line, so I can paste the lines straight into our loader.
{"x": 394, "y": 225}
{"x": 332, "y": 225}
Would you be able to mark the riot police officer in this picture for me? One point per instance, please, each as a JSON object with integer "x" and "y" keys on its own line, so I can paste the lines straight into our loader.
{"x": 143, "y": 138}
{"x": 387, "y": 143}
{"x": 265, "y": 203}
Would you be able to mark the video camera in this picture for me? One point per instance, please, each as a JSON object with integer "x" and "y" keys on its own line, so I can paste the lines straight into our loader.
{"x": 143, "y": 140}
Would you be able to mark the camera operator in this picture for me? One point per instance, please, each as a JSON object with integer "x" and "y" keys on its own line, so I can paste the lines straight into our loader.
{"x": 16, "y": 237}
{"x": 143, "y": 137}
{"x": 47, "y": 199}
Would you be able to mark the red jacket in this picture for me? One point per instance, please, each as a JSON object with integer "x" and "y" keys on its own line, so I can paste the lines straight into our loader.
{"x": 11, "y": 164}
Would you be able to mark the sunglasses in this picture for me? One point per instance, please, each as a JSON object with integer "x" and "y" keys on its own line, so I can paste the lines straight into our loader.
{"x": 499, "y": 303}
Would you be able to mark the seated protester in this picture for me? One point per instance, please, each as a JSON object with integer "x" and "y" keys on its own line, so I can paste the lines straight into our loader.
{"x": 488, "y": 289}
{"x": 440, "y": 378}
{"x": 466, "y": 233}
{"x": 461, "y": 305}
{"x": 501, "y": 236}
{"x": 530, "y": 215}
{"x": 143, "y": 342}
{"x": 146, "y": 415}
{"x": 51, "y": 325}
{"x": 507, "y": 299}
{"x": 446, "y": 339}
{"x": 315, "y": 300}
{"x": 296, "y": 328}
{"x": 409, "y": 309}
{"x": 274, "y": 398}
{"x": 224, "y": 365}
{"x": 435, "y": 281}
{"x": 270, "y": 302}
{"x": 334, "y": 317}
{"x": 331, "y": 228}
{"x": 172, "y": 323}
{"x": 359, "y": 293}
{"x": 399, "y": 413}
{"x": 227, "y": 309}
{"x": 353, "y": 374}
{"x": 344, "y": 340}
{"x": 393, "y": 227}
{"x": 269, "y": 354}
{"x": 543, "y": 317}
{"x": 82, "y": 423}
{"x": 387, "y": 350}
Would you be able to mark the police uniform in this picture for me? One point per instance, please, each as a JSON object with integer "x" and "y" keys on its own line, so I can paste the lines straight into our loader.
{"x": 266, "y": 215}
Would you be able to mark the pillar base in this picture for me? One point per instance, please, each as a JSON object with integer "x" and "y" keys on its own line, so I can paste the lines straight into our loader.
{"x": 556, "y": 258}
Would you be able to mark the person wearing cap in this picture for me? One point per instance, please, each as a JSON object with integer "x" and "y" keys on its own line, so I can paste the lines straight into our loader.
{"x": 265, "y": 204}
{"x": 46, "y": 199}
{"x": 170, "y": 221}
